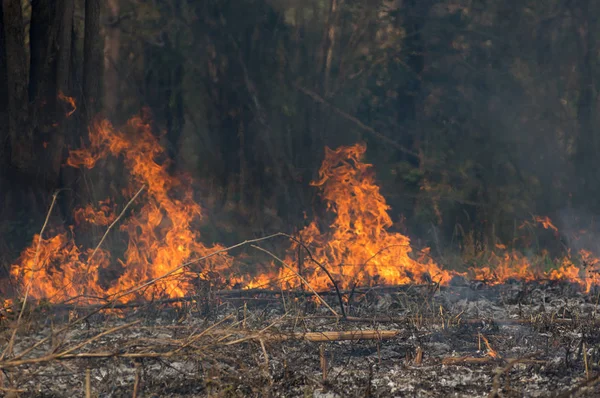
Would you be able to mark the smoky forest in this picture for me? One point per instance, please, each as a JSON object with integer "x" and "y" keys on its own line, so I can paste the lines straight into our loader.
{"x": 299, "y": 198}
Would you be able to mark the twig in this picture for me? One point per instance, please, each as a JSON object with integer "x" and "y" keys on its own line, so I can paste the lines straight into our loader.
{"x": 9, "y": 346}
{"x": 187, "y": 265}
{"x": 335, "y": 285}
{"x": 316, "y": 97}
{"x": 299, "y": 276}
{"x": 512, "y": 362}
{"x": 580, "y": 387}
{"x": 468, "y": 359}
{"x": 136, "y": 382}
{"x": 96, "y": 337}
{"x": 138, "y": 288}
{"x": 89, "y": 260}
{"x": 88, "y": 383}
{"x": 66, "y": 354}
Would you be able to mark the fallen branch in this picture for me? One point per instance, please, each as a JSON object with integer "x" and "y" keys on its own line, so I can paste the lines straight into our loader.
{"x": 486, "y": 360}
{"x": 504, "y": 371}
{"x": 317, "y": 337}
{"x": 469, "y": 359}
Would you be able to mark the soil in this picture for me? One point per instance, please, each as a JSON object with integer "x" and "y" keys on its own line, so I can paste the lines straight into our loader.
{"x": 465, "y": 340}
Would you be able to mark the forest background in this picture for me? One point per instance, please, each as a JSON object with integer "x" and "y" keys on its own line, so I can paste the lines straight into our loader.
{"x": 478, "y": 115}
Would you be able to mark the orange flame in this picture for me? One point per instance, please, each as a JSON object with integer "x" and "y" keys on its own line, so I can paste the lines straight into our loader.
{"x": 357, "y": 247}
{"x": 490, "y": 351}
{"x": 70, "y": 101}
{"x": 354, "y": 242}
{"x": 160, "y": 232}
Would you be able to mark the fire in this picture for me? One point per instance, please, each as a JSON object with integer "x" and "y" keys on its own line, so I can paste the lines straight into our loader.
{"x": 104, "y": 215}
{"x": 159, "y": 233}
{"x": 70, "y": 101}
{"x": 357, "y": 246}
{"x": 490, "y": 351}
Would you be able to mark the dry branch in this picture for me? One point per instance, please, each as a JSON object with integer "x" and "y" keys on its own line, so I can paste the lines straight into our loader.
{"x": 318, "y": 337}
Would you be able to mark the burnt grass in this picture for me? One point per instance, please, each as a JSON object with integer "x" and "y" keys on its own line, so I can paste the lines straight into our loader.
{"x": 229, "y": 344}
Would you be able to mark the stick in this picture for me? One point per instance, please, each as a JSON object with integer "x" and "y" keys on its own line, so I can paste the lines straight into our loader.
{"x": 335, "y": 285}
{"x": 89, "y": 260}
{"x": 512, "y": 362}
{"x": 353, "y": 119}
{"x": 138, "y": 288}
{"x": 9, "y": 346}
{"x": 299, "y": 276}
{"x": 320, "y": 337}
{"x": 88, "y": 383}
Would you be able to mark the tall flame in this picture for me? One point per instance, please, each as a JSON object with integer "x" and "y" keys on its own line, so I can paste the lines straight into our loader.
{"x": 357, "y": 246}
{"x": 354, "y": 242}
{"x": 160, "y": 233}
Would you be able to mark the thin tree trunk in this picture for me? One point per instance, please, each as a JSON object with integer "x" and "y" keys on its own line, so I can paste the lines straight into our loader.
{"x": 4, "y": 132}
{"x": 16, "y": 72}
{"x": 51, "y": 25}
{"x": 112, "y": 47}
{"x": 64, "y": 76}
{"x": 63, "y": 69}
{"x": 330, "y": 43}
{"x": 416, "y": 12}
{"x": 92, "y": 59}
{"x": 4, "y": 137}
{"x": 587, "y": 142}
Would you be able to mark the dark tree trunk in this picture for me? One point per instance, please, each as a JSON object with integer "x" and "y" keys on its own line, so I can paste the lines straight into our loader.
{"x": 4, "y": 131}
{"x": 164, "y": 91}
{"x": 63, "y": 67}
{"x": 588, "y": 144}
{"x": 46, "y": 21}
{"x": 416, "y": 13}
{"x": 19, "y": 131}
{"x": 4, "y": 134}
{"x": 112, "y": 47}
{"x": 174, "y": 111}
{"x": 66, "y": 126}
{"x": 92, "y": 59}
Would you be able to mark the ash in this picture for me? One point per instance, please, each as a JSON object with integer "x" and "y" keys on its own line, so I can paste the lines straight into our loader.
{"x": 465, "y": 340}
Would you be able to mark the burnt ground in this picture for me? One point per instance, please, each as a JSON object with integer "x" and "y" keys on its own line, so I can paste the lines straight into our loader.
{"x": 546, "y": 338}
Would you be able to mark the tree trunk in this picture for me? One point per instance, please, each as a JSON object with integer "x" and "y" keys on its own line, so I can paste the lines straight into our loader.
{"x": 92, "y": 59}
{"x": 4, "y": 131}
{"x": 112, "y": 47}
{"x": 19, "y": 131}
{"x": 416, "y": 12}
{"x": 587, "y": 142}
{"x": 50, "y": 77}
{"x": 330, "y": 43}
{"x": 64, "y": 87}
{"x": 66, "y": 8}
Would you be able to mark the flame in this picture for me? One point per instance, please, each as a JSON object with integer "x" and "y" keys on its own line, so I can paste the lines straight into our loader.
{"x": 160, "y": 233}
{"x": 354, "y": 242}
{"x": 357, "y": 246}
{"x": 68, "y": 100}
{"x": 104, "y": 215}
{"x": 490, "y": 351}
